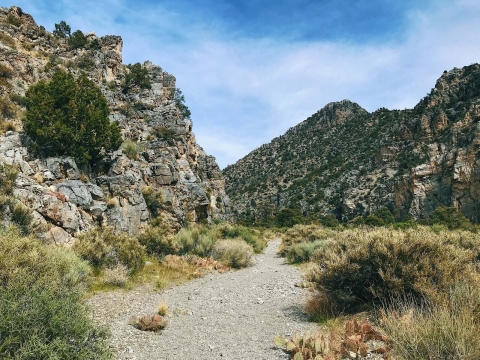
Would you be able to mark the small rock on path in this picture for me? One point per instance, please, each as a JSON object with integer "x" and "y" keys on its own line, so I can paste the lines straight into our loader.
{"x": 230, "y": 316}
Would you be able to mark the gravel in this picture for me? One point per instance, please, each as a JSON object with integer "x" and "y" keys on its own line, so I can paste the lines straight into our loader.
{"x": 231, "y": 316}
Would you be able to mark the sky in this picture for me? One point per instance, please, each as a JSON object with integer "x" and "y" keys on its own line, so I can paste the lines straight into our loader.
{"x": 252, "y": 69}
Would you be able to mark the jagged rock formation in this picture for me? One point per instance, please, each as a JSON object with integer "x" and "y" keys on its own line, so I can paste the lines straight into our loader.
{"x": 346, "y": 161}
{"x": 165, "y": 156}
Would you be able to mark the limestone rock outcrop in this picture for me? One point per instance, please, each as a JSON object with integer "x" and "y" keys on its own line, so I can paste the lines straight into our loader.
{"x": 348, "y": 162}
{"x": 162, "y": 152}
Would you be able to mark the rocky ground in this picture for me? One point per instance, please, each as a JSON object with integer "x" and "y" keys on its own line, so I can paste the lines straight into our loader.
{"x": 234, "y": 315}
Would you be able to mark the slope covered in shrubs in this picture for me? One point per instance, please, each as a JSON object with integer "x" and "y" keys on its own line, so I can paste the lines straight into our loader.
{"x": 42, "y": 314}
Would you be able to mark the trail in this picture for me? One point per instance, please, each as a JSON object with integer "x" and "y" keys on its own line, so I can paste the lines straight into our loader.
{"x": 231, "y": 316}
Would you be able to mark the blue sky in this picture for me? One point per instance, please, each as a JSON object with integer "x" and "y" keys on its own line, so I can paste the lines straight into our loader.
{"x": 251, "y": 69}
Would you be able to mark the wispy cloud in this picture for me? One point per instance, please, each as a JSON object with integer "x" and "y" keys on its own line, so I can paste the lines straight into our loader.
{"x": 245, "y": 87}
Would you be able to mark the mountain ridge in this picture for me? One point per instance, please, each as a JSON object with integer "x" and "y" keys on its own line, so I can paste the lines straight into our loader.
{"x": 345, "y": 161}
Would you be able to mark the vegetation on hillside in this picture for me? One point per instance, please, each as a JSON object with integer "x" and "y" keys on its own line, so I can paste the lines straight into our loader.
{"x": 70, "y": 117}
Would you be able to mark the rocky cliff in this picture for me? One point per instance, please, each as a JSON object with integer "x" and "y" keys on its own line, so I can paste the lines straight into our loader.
{"x": 160, "y": 150}
{"x": 348, "y": 162}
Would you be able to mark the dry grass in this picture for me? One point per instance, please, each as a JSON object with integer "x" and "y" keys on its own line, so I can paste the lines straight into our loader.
{"x": 234, "y": 253}
{"x": 7, "y": 40}
{"x": 162, "y": 309}
{"x": 447, "y": 331}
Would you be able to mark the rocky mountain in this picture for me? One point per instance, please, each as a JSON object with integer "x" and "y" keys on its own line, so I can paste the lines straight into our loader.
{"x": 348, "y": 162}
{"x": 160, "y": 152}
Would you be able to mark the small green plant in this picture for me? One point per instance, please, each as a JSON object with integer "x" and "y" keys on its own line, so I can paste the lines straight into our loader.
{"x": 137, "y": 75}
{"x": 115, "y": 276}
{"x": 131, "y": 149}
{"x": 5, "y": 74}
{"x": 77, "y": 40}
{"x": 62, "y": 30}
{"x": 154, "y": 199}
{"x": 102, "y": 248}
{"x": 8, "y": 175}
{"x": 7, "y": 40}
{"x": 179, "y": 100}
{"x": 153, "y": 322}
{"x": 163, "y": 132}
{"x": 303, "y": 252}
{"x": 234, "y": 253}
{"x": 159, "y": 240}
{"x": 18, "y": 99}
{"x": 13, "y": 20}
{"x": 85, "y": 62}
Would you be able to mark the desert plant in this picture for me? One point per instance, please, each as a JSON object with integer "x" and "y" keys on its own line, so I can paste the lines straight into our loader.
{"x": 442, "y": 331}
{"x": 131, "y": 149}
{"x": 251, "y": 236}
{"x": 8, "y": 175}
{"x": 5, "y": 74}
{"x": 62, "y": 30}
{"x": 103, "y": 248}
{"x": 164, "y": 132}
{"x": 310, "y": 346}
{"x": 18, "y": 99}
{"x": 43, "y": 316}
{"x": 363, "y": 266}
{"x": 137, "y": 75}
{"x": 234, "y": 253}
{"x": 154, "y": 199}
{"x": 7, "y": 40}
{"x": 179, "y": 100}
{"x": 196, "y": 240}
{"x": 162, "y": 309}
{"x": 13, "y": 20}
{"x": 85, "y": 62}
{"x": 7, "y": 109}
{"x": 158, "y": 240}
{"x": 153, "y": 322}
{"x": 115, "y": 276}
{"x": 77, "y": 40}
{"x": 68, "y": 117}
{"x": 303, "y": 252}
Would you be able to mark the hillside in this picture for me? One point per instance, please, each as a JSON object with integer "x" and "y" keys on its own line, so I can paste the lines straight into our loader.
{"x": 160, "y": 151}
{"x": 348, "y": 162}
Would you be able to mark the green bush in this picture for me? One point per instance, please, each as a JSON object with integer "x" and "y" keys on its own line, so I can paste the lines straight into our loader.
{"x": 303, "y": 252}
{"x": 159, "y": 240}
{"x": 103, "y": 248}
{"x": 8, "y": 175}
{"x": 452, "y": 218}
{"x": 288, "y": 217}
{"x": 304, "y": 234}
{"x": 373, "y": 220}
{"x": 136, "y": 76}
{"x": 364, "y": 266}
{"x": 234, "y": 253}
{"x": 252, "y": 237}
{"x": 62, "y": 30}
{"x": 163, "y": 132}
{"x": 68, "y": 117}
{"x": 13, "y": 20}
{"x": 77, "y": 40}
{"x": 42, "y": 315}
{"x": 85, "y": 62}
{"x": 179, "y": 100}
{"x": 154, "y": 199}
{"x": 131, "y": 149}
{"x": 197, "y": 240}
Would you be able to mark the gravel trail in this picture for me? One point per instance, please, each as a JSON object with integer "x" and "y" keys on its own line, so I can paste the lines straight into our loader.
{"x": 228, "y": 316}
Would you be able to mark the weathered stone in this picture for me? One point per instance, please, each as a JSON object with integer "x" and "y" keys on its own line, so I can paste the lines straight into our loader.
{"x": 76, "y": 192}
{"x": 63, "y": 167}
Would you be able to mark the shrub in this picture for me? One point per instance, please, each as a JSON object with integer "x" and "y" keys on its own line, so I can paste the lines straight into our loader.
{"x": 304, "y": 234}
{"x": 303, "y": 252}
{"x": 250, "y": 236}
{"x": 22, "y": 216}
{"x": 162, "y": 309}
{"x": 131, "y": 149}
{"x": 360, "y": 267}
{"x": 62, "y": 30}
{"x": 85, "y": 62}
{"x": 8, "y": 175}
{"x": 234, "y": 253}
{"x": 158, "y": 240}
{"x": 116, "y": 276}
{"x": 13, "y": 20}
{"x": 153, "y": 322}
{"x": 42, "y": 315}
{"x": 7, "y": 110}
{"x": 136, "y": 76}
{"x": 7, "y": 40}
{"x": 196, "y": 240}
{"x": 447, "y": 331}
{"x": 289, "y": 217}
{"x": 77, "y": 40}
{"x": 68, "y": 117}
{"x": 452, "y": 218}
{"x": 154, "y": 199}
{"x": 385, "y": 215}
{"x": 163, "y": 132}
{"x": 103, "y": 248}
{"x": 18, "y": 99}
{"x": 179, "y": 100}
{"x": 373, "y": 220}
{"x": 5, "y": 73}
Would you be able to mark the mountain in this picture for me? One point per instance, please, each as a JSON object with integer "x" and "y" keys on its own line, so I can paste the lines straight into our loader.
{"x": 160, "y": 153}
{"x": 348, "y": 162}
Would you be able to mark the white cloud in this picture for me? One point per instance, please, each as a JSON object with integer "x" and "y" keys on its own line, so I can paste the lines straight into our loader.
{"x": 243, "y": 91}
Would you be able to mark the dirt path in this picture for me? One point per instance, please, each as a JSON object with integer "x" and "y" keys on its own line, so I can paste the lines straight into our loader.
{"x": 230, "y": 316}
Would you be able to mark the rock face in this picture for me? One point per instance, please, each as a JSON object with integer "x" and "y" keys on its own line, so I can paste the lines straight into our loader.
{"x": 346, "y": 161}
{"x": 160, "y": 150}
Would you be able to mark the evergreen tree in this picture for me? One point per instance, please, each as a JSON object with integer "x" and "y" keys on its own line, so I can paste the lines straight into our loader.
{"x": 62, "y": 30}
{"x": 68, "y": 117}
